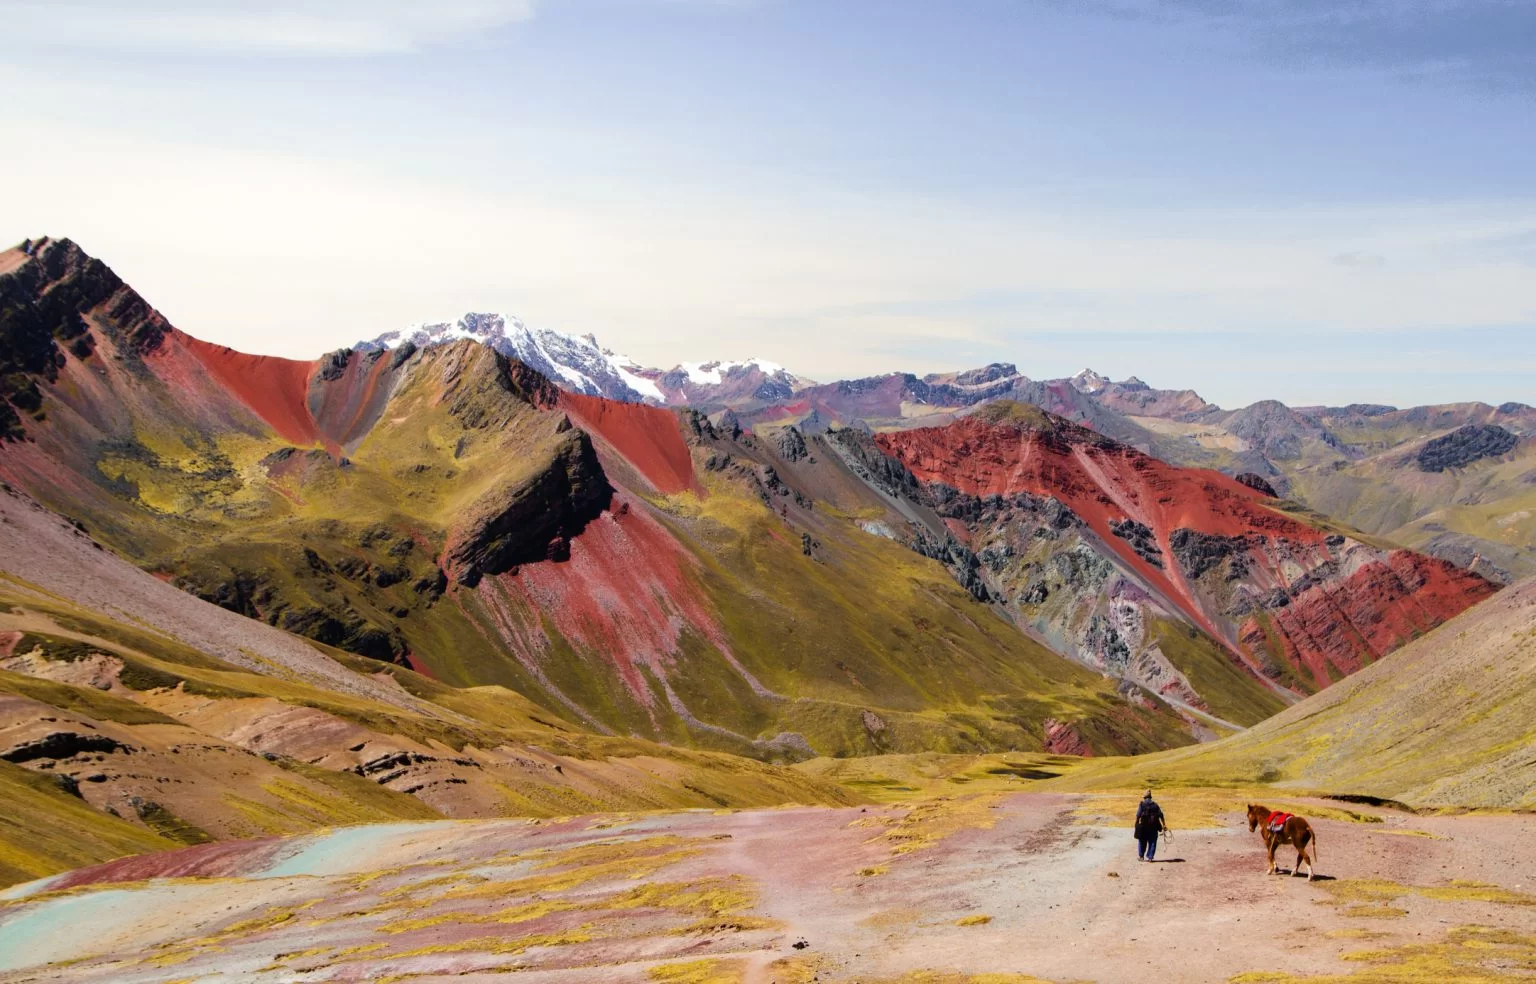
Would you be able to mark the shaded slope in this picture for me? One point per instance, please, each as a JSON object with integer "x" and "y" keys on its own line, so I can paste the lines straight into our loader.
{"x": 1447, "y": 721}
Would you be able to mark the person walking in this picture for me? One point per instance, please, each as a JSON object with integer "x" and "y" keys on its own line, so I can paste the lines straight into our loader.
{"x": 1149, "y": 823}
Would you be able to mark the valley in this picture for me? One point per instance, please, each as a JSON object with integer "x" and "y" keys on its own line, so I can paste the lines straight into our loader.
{"x": 478, "y": 649}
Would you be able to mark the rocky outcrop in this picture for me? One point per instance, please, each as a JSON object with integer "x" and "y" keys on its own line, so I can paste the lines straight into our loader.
{"x": 960, "y": 559}
{"x": 1198, "y": 553}
{"x": 1062, "y": 738}
{"x": 531, "y": 520}
{"x": 864, "y": 456}
{"x": 62, "y": 745}
{"x": 1258, "y": 483}
{"x": 44, "y": 304}
{"x": 1465, "y": 445}
{"x": 1141, "y": 538}
{"x": 791, "y": 444}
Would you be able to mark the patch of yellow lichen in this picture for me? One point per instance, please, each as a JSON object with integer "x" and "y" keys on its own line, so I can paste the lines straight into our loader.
{"x": 1195, "y": 808}
{"x": 505, "y": 944}
{"x": 713, "y": 971}
{"x": 928, "y": 823}
{"x": 1383, "y": 891}
{"x": 1469, "y": 954}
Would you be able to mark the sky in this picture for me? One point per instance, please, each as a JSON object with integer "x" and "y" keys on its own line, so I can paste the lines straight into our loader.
{"x": 1318, "y": 202}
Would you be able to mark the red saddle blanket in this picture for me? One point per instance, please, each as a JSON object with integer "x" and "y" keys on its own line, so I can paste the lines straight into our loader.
{"x": 1277, "y": 820}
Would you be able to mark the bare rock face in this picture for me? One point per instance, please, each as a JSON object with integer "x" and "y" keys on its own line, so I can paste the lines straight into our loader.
{"x": 1258, "y": 484}
{"x": 43, "y": 307}
{"x": 1061, "y": 738}
{"x": 791, "y": 444}
{"x": 1463, "y": 446}
{"x": 531, "y": 520}
{"x": 61, "y": 745}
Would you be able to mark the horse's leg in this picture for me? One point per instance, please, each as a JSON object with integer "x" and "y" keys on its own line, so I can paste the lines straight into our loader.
{"x": 1273, "y": 845}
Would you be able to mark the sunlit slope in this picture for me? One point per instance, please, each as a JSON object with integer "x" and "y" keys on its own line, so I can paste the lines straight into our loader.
{"x": 1447, "y": 721}
{"x": 630, "y": 570}
{"x": 134, "y": 716}
{"x": 44, "y": 830}
{"x": 1480, "y": 513}
{"x": 1186, "y": 581}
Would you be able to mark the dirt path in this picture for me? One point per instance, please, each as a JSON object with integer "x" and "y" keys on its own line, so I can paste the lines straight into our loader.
{"x": 1015, "y": 884}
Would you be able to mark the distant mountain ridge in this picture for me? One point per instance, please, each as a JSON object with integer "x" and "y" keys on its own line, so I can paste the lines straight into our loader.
{"x": 582, "y": 365}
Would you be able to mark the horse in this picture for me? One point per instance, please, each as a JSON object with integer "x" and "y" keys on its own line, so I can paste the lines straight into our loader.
{"x": 1294, "y": 831}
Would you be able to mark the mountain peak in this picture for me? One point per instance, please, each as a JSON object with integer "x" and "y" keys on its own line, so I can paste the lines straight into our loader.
{"x": 1089, "y": 381}
{"x": 580, "y": 365}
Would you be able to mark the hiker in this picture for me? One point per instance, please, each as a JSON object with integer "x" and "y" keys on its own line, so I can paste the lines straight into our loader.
{"x": 1149, "y": 823}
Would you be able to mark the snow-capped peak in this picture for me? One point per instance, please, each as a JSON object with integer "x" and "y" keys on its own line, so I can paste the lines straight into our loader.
{"x": 714, "y": 373}
{"x": 582, "y": 365}
{"x": 577, "y": 364}
{"x": 1089, "y": 381}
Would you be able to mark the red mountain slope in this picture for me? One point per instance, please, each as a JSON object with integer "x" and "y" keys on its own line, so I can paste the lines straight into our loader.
{"x": 1324, "y": 602}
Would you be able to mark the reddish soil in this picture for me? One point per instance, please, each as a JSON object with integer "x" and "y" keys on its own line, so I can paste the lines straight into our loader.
{"x": 203, "y": 861}
{"x": 649, "y": 438}
{"x": 1101, "y": 482}
{"x": 345, "y": 409}
{"x": 274, "y": 389}
{"x": 1332, "y": 625}
{"x": 1378, "y": 608}
{"x": 627, "y": 593}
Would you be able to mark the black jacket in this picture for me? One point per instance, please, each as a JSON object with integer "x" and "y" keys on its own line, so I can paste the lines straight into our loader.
{"x": 1149, "y": 819}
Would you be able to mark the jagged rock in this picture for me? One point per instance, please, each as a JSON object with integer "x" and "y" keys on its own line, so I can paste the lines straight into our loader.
{"x": 860, "y": 452}
{"x": 729, "y": 425}
{"x": 960, "y": 559}
{"x": 402, "y": 355}
{"x": 1198, "y": 552}
{"x": 699, "y": 426}
{"x": 517, "y": 523}
{"x": 1258, "y": 484}
{"x": 1140, "y": 537}
{"x": 42, "y": 307}
{"x": 791, "y": 444}
{"x": 1465, "y": 445}
{"x": 62, "y": 745}
{"x": 334, "y": 365}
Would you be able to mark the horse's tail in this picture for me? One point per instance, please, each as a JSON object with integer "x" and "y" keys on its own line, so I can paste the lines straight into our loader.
{"x": 1313, "y": 832}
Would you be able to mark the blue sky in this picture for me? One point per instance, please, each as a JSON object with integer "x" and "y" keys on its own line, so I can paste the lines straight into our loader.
{"x": 1316, "y": 202}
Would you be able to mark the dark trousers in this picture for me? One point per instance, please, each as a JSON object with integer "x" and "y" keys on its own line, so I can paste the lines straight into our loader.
{"x": 1146, "y": 847}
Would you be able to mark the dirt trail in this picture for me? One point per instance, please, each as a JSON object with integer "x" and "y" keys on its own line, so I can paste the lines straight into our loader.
{"x": 1005, "y": 884}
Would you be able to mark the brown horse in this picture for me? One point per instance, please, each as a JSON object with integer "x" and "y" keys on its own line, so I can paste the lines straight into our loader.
{"x": 1295, "y": 831}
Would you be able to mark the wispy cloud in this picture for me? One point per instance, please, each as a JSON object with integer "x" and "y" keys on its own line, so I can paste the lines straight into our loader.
{"x": 1483, "y": 42}
{"x": 289, "y": 27}
{"x": 835, "y": 286}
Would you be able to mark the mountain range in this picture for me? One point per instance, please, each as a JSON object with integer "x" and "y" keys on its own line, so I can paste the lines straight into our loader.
{"x": 424, "y": 574}
{"x": 1456, "y": 481}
